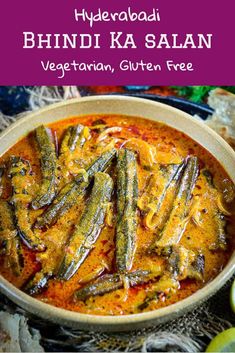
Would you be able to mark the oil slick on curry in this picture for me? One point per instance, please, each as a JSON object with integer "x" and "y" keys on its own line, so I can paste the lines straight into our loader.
{"x": 113, "y": 215}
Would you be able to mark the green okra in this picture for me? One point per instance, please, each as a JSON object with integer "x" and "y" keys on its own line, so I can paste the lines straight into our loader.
{"x": 71, "y": 192}
{"x": 184, "y": 263}
{"x": 218, "y": 216}
{"x": 157, "y": 199}
{"x": 72, "y": 139}
{"x": 177, "y": 221}
{"x": 111, "y": 282}
{"x": 88, "y": 229}
{"x": 48, "y": 162}
{"x": 19, "y": 172}
{"x": 10, "y": 245}
{"x": 127, "y": 195}
{"x": 37, "y": 283}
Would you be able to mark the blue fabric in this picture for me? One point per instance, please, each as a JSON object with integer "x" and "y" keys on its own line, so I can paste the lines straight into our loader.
{"x": 13, "y": 99}
{"x": 137, "y": 88}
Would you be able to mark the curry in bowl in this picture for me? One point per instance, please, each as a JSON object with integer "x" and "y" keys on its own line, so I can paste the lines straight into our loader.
{"x": 113, "y": 215}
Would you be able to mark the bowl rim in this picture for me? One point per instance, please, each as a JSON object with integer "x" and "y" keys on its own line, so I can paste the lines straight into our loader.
{"x": 99, "y": 321}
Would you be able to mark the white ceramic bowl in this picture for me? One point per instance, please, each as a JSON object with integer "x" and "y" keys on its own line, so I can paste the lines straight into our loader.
{"x": 197, "y": 130}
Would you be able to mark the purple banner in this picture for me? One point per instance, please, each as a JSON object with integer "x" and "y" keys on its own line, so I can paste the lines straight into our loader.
{"x": 117, "y": 42}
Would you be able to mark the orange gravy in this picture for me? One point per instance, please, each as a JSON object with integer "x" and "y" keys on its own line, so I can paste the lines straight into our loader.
{"x": 171, "y": 147}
